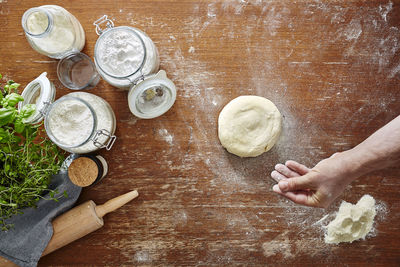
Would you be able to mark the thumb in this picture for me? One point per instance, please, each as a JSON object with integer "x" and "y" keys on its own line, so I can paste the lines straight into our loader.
{"x": 297, "y": 183}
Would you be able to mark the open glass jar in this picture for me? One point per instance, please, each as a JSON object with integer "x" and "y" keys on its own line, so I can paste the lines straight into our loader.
{"x": 78, "y": 122}
{"x": 53, "y": 31}
{"x": 123, "y": 54}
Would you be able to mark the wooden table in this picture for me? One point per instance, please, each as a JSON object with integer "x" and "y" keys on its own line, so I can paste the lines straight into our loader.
{"x": 331, "y": 67}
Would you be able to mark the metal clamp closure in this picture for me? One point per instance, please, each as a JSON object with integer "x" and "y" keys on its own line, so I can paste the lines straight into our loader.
{"x": 102, "y": 20}
{"x": 45, "y": 108}
{"x": 137, "y": 80}
{"x": 109, "y": 143}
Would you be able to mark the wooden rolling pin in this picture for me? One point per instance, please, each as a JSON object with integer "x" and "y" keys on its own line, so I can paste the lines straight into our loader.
{"x": 79, "y": 221}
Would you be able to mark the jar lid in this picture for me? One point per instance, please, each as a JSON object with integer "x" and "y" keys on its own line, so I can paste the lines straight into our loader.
{"x": 152, "y": 97}
{"x": 40, "y": 92}
{"x": 101, "y": 163}
{"x": 83, "y": 171}
{"x": 120, "y": 52}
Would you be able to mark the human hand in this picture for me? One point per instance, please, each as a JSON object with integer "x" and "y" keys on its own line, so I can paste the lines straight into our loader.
{"x": 316, "y": 187}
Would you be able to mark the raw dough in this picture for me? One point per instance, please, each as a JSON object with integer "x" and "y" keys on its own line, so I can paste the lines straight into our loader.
{"x": 352, "y": 221}
{"x": 249, "y": 126}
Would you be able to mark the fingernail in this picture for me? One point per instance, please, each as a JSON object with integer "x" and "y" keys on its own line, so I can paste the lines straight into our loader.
{"x": 275, "y": 188}
{"x": 283, "y": 185}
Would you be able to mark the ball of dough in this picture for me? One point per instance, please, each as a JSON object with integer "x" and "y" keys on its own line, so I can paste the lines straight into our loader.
{"x": 249, "y": 126}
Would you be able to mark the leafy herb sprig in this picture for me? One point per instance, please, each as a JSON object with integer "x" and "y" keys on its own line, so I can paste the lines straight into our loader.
{"x": 27, "y": 159}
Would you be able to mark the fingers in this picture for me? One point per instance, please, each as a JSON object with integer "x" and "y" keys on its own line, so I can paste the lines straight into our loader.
{"x": 277, "y": 176}
{"x": 298, "y": 197}
{"x": 286, "y": 171}
{"x": 291, "y": 169}
{"x": 282, "y": 172}
{"x": 297, "y": 167}
{"x": 297, "y": 183}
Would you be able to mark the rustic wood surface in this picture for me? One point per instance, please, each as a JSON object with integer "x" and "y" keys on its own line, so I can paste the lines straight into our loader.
{"x": 331, "y": 67}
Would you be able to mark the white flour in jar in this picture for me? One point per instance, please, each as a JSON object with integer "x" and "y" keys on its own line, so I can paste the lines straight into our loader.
{"x": 64, "y": 34}
{"x": 37, "y": 23}
{"x": 121, "y": 53}
{"x": 152, "y": 61}
{"x": 105, "y": 120}
{"x": 71, "y": 122}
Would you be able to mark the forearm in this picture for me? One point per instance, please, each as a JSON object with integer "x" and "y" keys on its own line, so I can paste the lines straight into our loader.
{"x": 380, "y": 150}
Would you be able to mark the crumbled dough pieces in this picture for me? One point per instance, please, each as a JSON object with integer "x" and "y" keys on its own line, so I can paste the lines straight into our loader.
{"x": 352, "y": 222}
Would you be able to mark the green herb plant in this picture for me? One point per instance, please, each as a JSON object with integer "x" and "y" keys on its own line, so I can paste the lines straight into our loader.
{"x": 27, "y": 159}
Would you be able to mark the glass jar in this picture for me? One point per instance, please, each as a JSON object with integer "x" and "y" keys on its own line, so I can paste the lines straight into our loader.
{"x": 53, "y": 31}
{"x": 78, "y": 122}
{"x": 123, "y": 54}
{"x": 76, "y": 71}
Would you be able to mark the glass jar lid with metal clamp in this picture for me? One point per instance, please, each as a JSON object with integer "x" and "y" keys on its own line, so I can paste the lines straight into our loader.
{"x": 40, "y": 92}
{"x": 152, "y": 95}
{"x": 78, "y": 122}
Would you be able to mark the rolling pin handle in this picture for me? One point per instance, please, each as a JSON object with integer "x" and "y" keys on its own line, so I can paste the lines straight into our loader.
{"x": 115, "y": 203}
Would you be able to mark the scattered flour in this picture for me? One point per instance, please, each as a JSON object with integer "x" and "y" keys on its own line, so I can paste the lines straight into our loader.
{"x": 352, "y": 222}
{"x": 353, "y": 30}
{"x": 142, "y": 257}
{"x": 212, "y": 10}
{"x": 385, "y": 9}
{"x": 290, "y": 247}
{"x": 280, "y": 245}
{"x": 166, "y": 136}
{"x": 131, "y": 120}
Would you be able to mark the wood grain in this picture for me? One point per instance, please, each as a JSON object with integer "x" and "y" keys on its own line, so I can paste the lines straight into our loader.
{"x": 332, "y": 69}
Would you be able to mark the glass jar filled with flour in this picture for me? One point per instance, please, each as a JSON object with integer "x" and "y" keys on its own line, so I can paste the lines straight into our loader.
{"x": 53, "y": 31}
{"x": 78, "y": 122}
{"x": 123, "y": 54}
{"x": 127, "y": 58}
